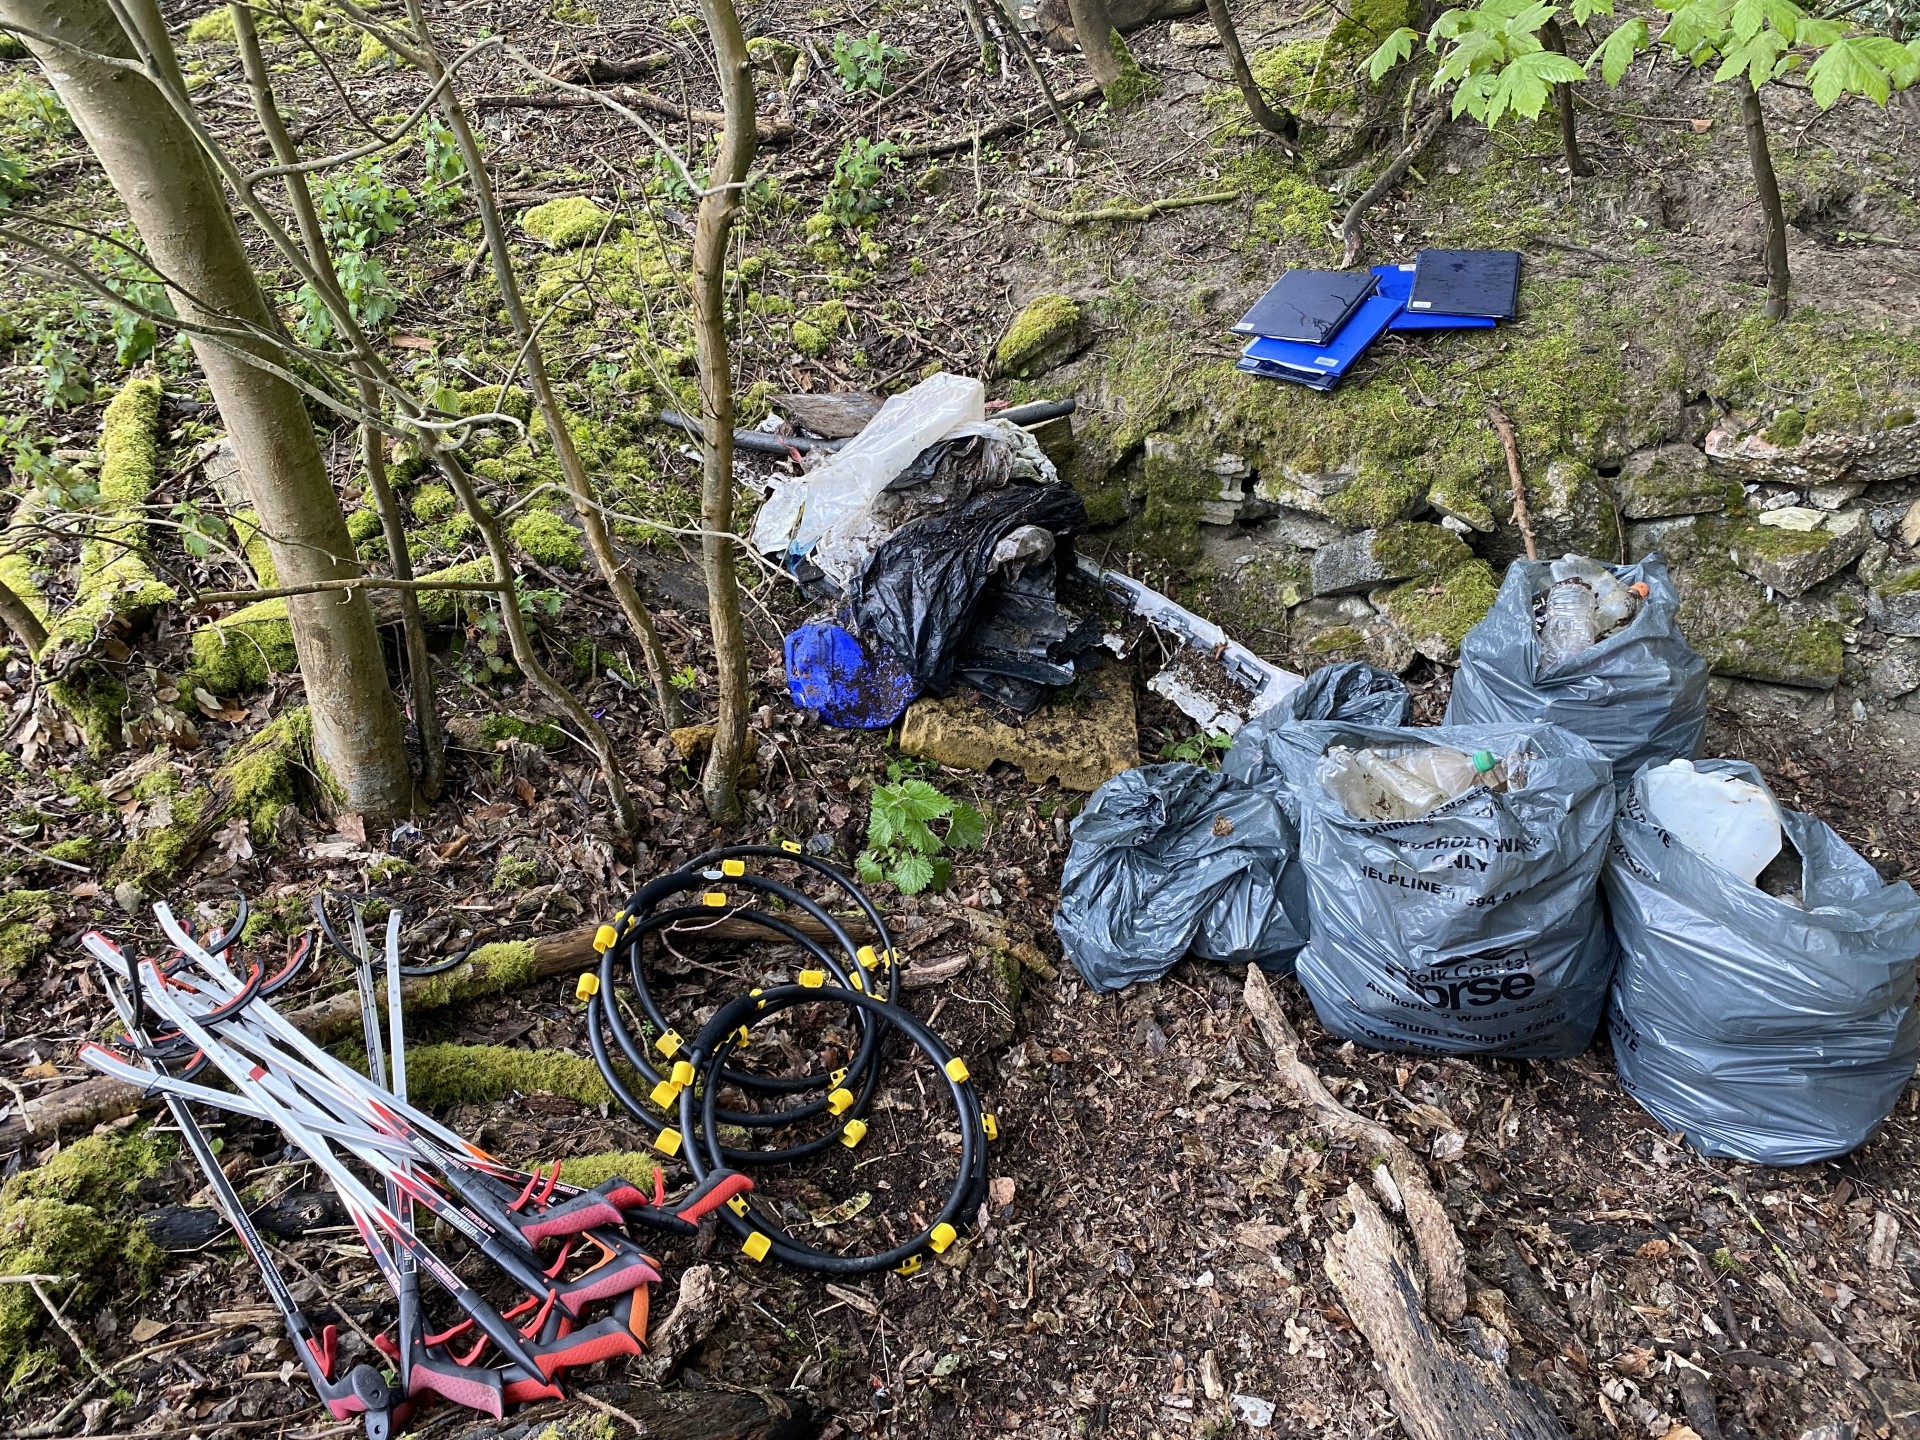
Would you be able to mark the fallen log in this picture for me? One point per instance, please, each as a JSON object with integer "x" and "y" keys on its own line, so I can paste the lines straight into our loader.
{"x": 491, "y": 970}
{"x": 1437, "y": 1390}
{"x": 184, "y": 1228}
{"x": 1021, "y": 120}
{"x": 1442, "y": 1257}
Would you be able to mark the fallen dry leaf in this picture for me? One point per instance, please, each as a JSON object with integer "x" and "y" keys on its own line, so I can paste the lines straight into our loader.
{"x": 1002, "y": 1189}
{"x": 351, "y": 827}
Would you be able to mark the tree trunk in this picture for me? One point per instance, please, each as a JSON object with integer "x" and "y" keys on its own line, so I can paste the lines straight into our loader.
{"x": 18, "y": 617}
{"x": 1768, "y": 186}
{"x": 155, "y": 164}
{"x": 1283, "y": 125}
{"x": 593, "y": 524}
{"x": 1555, "y": 40}
{"x": 1093, "y": 32}
{"x": 426, "y": 706}
{"x": 718, "y": 205}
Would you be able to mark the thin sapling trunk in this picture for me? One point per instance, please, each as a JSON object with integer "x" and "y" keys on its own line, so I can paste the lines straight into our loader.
{"x": 1767, "y": 184}
{"x": 1280, "y": 124}
{"x": 713, "y": 226}
{"x": 1555, "y": 40}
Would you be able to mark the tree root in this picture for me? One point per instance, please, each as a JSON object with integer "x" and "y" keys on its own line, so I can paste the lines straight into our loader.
{"x": 1385, "y": 181}
{"x": 1515, "y": 480}
{"x": 1126, "y": 214}
{"x": 1442, "y": 1257}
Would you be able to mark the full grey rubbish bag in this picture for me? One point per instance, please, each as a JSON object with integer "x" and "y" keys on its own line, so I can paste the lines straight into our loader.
{"x": 1172, "y": 858}
{"x": 1754, "y": 1027}
{"x": 1638, "y": 695}
{"x": 1352, "y": 691}
{"x": 1473, "y": 930}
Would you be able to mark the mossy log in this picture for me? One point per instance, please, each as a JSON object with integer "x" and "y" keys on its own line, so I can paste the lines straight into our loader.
{"x": 490, "y": 970}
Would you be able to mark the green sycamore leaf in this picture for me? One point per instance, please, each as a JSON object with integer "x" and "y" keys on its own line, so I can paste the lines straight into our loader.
{"x": 1450, "y": 24}
{"x": 1527, "y": 22}
{"x": 1473, "y": 97}
{"x": 1395, "y": 48}
{"x": 1617, "y": 51}
{"x": 967, "y": 828}
{"x": 912, "y": 873}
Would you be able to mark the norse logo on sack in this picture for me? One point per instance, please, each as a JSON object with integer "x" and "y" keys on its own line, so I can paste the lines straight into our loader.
{"x": 1490, "y": 977}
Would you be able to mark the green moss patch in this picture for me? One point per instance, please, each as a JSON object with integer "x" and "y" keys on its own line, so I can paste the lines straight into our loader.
{"x": 566, "y": 223}
{"x": 1438, "y": 613}
{"x": 1047, "y": 332}
{"x": 237, "y": 654}
{"x": 489, "y": 970}
{"x": 70, "y": 1217}
{"x": 549, "y": 539}
{"x": 496, "y": 728}
{"x": 439, "y": 1076}
{"x": 26, "y": 928}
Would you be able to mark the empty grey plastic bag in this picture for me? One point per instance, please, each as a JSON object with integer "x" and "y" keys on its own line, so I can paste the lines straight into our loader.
{"x": 1476, "y": 928}
{"x": 1636, "y": 695}
{"x": 1759, "y": 1028}
{"x": 1172, "y": 858}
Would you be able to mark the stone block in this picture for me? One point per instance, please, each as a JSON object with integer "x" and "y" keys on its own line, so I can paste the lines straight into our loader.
{"x": 1081, "y": 742}
{"x": 1671, "y": 480}
{"x": 1779, "y": 552}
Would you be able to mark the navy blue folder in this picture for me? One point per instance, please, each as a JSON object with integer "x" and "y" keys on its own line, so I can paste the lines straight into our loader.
{"x": 1307, "y": 307}
{"x": 1396, "y": 283}
{"x": 1321, "y": 366}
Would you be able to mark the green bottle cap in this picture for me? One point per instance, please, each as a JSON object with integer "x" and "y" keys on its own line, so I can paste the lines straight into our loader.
{"x": 1483, "y": 761}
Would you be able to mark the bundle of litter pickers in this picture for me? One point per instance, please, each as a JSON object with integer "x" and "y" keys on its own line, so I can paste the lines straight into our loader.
{"x": 536, "y": 1276}
{"x": 1313, "y": 325}
{"x": 1553, "y": 854}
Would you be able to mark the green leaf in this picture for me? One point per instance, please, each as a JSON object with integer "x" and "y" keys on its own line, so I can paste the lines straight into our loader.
{"x": 1857, "y": 65}
{"x": 921, "y": 801}
{"x": 882, "y": 826}
{"x": 1585, "y": 10}
{"x": 1617, "y": 51}
{"x": 911, "y": 874}
{"x": 967, "y": 828}
{"x": 868, "y": 868}
{"x": 1395, "y": 48}
{"x": 915, "y": 835}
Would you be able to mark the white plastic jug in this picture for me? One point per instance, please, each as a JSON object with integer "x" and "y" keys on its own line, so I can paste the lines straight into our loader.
{"x": 1731, "y": 822}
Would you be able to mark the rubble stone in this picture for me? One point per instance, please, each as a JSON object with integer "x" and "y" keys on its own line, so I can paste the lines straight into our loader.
{"x": 1910, "y": 525}
{"x": 1792, "y": 560}
{"x": 1048, "y": 333}
{"x": 1893, "y": 605}
{"x": 1672, "y": 480}
{"x": 1082, "y": 741}
{"x": 1896, "y": 672}
{"x": 1820, "y": 458}
{"x": 1393, "y": 552}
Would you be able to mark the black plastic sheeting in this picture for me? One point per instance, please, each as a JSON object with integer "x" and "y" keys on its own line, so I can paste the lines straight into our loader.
{"x": 923, "y": 587}
{"x": 1760, "y": 1029}
{"x": 1172, "y": 858}
{"x": 1473, "y": 930}
{"x": 1639, "y": 695}
{"x": 1352, "y": 691}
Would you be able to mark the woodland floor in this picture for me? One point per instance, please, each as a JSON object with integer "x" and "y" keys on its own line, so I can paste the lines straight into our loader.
{"x": 1166, "y": 1207}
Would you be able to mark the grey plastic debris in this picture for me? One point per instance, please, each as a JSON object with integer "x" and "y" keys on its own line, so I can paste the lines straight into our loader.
{"x": 1757, "y": 1027}
{"x": 1639, "y": 694}
{"x": 1354, "y": 691}
{"x": 1473, "y": 930}
{"x": 1168, "y": 858}
{"x": 1257, "y": 1413}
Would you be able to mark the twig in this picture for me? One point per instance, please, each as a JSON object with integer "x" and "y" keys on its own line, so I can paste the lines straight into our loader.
{"x": 611, "y": 1411}
{"x": 1079, "y": 95}
{"x": 771, "y": 132}
{"x": 1442, "y": 1256}
{"x": 1125, "y": 213}
{"x": 67, "y": 1328}
{"x": 26, "y": 849}
{"x": 1385, "y": 181}
{"x": 1515, "y": 479}
{"x": 360, "y": 582}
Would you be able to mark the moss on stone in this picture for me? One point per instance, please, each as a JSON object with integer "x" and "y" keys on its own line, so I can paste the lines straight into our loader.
{"x": 1378, "y": 495}
{"x": 80, "y": 848}
{"x": 548, "y": 538}
{"x": 363, "y": 525}
{"x": 488, "y": 400}
{"x": 566, "y": 223}
{"x": 71, "y": 1217}
{"x": 237, "y": 654}
{"x": 213, "y": 28}
{"x": 1840, "y": 375}
{"x": 1438, "y": 613}
{"x": 156, "y": 854}
{"x": 1789, "y": 428}
{"x": 441, "y": 607}
{"x": 433, "y": 502}
{"x": 1417, "y": 550}
{"x": 496, "y": 728}
{"x": 1050, "y": 327}
{"x": 26, "y": 922}
{"x": 373, "y": 51}
{"x": 1338, "y": 642}
{"x": 1901, "y": 582}
{"x": 810, "y": 340}
{"x": 513, "y": 872}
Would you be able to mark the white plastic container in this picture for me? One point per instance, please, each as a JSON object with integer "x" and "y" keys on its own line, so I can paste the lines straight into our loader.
{"x": 1730, "y": 822}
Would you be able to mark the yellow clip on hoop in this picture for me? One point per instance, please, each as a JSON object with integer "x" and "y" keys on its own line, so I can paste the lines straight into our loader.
{"x": 854, "y": 1132}
{"x": 735, "y": 868}
{"x": 670, "y": 1044}
{"x": 603, "y": 939}
{"x": 738, "y": 1205}
{"x": 912, "y": 1267}
{"x": 943, "y": 1236}
{"x": 587, "y": 986}
{"x": 665, "y": 1094}
{"x": 682, "y": 1073}
{"x": 742, "y": 1038}
{"x": 757, "y": 1245}
{"x": 812, "y": 979}
{"x": 990, "y": 1126}
{"x": 714, "y": 900}
{"x": 866, "y": 957}
{"x": 792, "y": 847}
{"x": 957, "y": 1070}
{"x": 667, "y": 1142}
{"x": 839, "y": 1102}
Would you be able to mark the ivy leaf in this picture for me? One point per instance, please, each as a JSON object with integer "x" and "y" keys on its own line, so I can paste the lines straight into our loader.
{"x": 1617, "y": 51}
{"x": 912, "y": 873}
{"x": 1395, "y": 48}
{"x": 967, "y": 828}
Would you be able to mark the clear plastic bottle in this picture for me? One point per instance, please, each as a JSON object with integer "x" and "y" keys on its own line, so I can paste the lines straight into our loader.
{"x": 1614, "y": 603}
{"x": 1569, "y": 623}
{"x": 1406, "y": 783}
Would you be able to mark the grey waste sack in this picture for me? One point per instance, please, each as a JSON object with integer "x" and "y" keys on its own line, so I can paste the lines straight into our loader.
{"x": 1172, "y": 858}
{"x": 1756, "y": 1028}
{"x": 1638, "y": 695}
{"x": 1352, "y": 691}
{"x": 1473, "y": 930}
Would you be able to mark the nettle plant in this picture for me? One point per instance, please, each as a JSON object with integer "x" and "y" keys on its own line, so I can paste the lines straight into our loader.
{"x": 903, "y": 848}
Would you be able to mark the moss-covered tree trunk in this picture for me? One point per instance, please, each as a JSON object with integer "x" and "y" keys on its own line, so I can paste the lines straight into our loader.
{"x": 155, "y": 164}
{"x": 1093, "y": 31}
{"x": 718, "y": 206}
